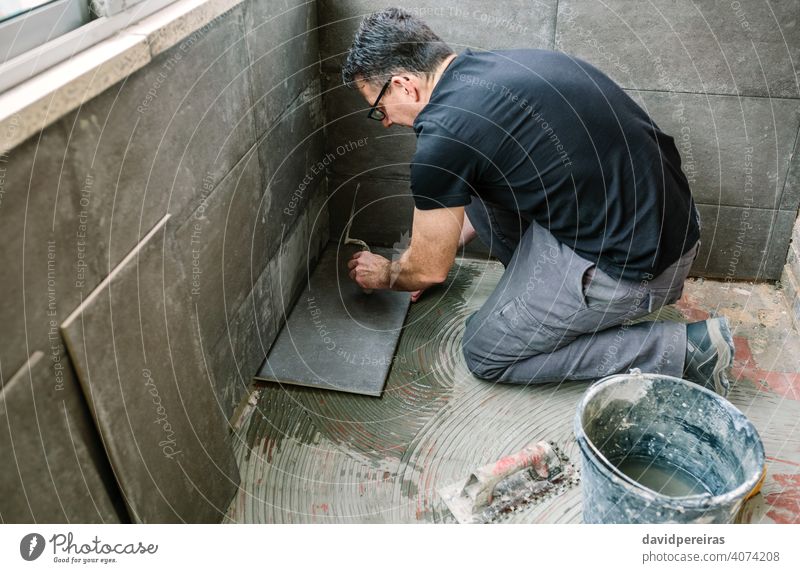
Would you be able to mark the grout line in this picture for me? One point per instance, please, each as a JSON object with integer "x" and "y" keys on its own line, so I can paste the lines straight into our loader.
{"x": 555, "y": 27}
{"x": 739, "y": 95}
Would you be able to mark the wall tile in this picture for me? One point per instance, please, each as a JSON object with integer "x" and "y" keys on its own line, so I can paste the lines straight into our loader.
{"x": 468, "y": 23}
{"x": 743, "y": 243}
{"x": 383, "y": 209}
{"x": 43, "y": 256}
{"x": 136, "y": 352}
{"x": 735, "y": 151}
{"x": 740, "y": 48}
{"x": 151, "y": 141}
{"x": 291, "y": 156}
{"x": 284, "y": 54}
{"x": 358, "y": 145}
{"x": 54, "y": 468}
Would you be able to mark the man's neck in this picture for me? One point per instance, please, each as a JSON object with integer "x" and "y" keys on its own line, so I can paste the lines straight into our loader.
{"x": 437, "y": 75}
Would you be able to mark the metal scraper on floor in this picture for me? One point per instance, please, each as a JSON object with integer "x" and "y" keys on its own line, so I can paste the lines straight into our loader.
{"x": 338, "y": 337}
{"x": 509, "y": 484}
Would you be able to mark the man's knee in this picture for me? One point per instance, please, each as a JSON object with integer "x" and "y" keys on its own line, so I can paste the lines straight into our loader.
{"x": 479, "y": 365}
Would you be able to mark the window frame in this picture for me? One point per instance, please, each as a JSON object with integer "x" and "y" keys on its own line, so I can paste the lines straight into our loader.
{"x": 35, "y": 60}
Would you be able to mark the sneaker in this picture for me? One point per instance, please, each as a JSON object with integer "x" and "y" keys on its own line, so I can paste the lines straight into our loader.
{"x": 709, "y": 353}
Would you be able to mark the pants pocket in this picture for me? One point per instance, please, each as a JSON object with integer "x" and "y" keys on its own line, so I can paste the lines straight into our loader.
{"x": 523, "y": 331}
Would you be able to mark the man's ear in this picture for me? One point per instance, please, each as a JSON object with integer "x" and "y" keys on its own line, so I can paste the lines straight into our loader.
{"x": 408, "y": 85}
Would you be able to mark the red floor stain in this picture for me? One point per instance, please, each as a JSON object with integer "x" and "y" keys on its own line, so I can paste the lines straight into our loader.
{"x": 791, "y": 463}
{"x": 784, "y": 384}
{"x": 785, "y": 504}
{"x": 689, "y": 307}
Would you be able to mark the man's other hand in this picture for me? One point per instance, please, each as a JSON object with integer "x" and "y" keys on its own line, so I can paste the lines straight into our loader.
{"x": 369, "y": 271}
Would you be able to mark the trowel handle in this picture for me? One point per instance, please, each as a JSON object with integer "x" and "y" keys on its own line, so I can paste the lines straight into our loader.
{"x": 539, "y": 456}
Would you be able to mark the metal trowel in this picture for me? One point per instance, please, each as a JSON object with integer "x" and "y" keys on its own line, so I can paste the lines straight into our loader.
{"x": 507, "y": 485}
{"x": 351, "y": 241}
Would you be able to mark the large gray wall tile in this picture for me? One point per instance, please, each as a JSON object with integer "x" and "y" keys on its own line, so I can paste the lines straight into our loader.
{"x": 136, "y": 351}
{"x": 714, "y": 46}
{"x": 383, "y": 209}
{"x": 284, "y": 54}
{"x": 743, "y": 243}
{"x": 215, "y": 246}
{"x": 53, "y": 466}
{"x": 153, "y": 141}
{"x": 464, "y": 24}
{"x": 41, "y": 252}
{"x": 290, "y": 153}
{"x": 252, "y": 330}
{"x": 791, "y": 189}
{"x": 735, "y": 150}
{"x": 358, "y": 145}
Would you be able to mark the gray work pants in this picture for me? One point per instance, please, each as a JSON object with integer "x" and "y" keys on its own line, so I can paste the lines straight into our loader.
{"x": 556, "y": 316}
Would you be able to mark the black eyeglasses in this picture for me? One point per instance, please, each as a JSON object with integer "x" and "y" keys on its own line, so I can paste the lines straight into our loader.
{"x": 374, "y": 112}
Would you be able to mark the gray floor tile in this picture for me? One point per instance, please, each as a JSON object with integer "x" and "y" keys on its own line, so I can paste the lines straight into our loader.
{"x": 338, "y": 337}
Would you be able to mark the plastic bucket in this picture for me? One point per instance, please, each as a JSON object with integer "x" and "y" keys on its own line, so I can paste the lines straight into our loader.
{"x": 658, "y": 449}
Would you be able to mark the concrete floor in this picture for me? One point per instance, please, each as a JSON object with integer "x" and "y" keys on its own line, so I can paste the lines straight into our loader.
{"x": 318, "y": 456}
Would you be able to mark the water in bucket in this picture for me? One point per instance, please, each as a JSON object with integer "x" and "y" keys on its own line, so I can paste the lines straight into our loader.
{"x": 661, "y": 478}
{"x": 658, "y": 449}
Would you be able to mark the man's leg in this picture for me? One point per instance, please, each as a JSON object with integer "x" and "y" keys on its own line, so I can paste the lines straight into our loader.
{"x": 550, "y": 315}
{"x": 500, "y": 230}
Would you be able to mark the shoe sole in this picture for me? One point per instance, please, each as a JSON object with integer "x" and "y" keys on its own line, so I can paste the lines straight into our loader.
{"x": 719, "y": 334}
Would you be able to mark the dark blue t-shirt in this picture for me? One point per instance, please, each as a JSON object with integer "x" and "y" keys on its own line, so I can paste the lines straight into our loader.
{"x": 554, "y": 138}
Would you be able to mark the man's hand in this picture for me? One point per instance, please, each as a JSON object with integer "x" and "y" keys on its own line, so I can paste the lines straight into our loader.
{"x": 369, "y": 271}
{"x": 434, "y": 239}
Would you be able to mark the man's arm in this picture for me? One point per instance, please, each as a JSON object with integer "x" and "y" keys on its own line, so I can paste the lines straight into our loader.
{"x": 435, "y": 236}
{"x": 467, "y": 232}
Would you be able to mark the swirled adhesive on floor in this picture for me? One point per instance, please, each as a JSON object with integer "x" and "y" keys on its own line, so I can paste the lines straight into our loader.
{"x": 308, "y": 455}
{"x": 314, "y": 456}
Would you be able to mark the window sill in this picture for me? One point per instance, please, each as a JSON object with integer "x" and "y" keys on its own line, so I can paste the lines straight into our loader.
{"x": 40, "y": 101}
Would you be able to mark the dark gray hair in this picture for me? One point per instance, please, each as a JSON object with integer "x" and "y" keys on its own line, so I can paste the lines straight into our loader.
{"x": 390, "y": 42}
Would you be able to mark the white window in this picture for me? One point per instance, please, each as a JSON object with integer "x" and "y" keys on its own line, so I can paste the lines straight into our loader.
{"x": 38, "y": 34}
